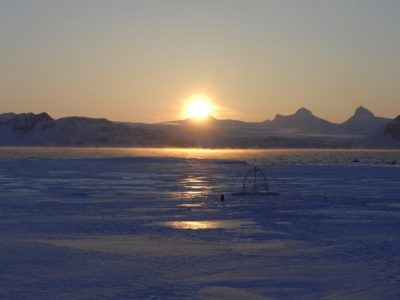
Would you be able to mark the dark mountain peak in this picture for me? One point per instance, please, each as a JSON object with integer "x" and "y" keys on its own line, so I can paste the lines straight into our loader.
{"x": 6, "y": 117}
{"x": 363, "y": 121}
{"x": 361, "y": 115}
{"x": 362, "y": 111}
{"x": 84, "y": 120}
{"x": 45, "y": 115}
{"x": 300, "y": 113}
{"x": 303, "y": 112}
{"x": 392, "y": 129}
{"x": 302, "y": 121}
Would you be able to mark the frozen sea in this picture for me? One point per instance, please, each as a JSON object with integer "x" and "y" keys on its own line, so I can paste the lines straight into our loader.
{"x": 96, "y": 223}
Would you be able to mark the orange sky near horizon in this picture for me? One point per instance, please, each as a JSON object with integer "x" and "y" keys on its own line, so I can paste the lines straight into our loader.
{"x": 140, "y": 61}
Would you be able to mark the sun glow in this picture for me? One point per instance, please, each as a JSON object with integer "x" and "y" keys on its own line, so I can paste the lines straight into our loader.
{"x": 198, "y": 108}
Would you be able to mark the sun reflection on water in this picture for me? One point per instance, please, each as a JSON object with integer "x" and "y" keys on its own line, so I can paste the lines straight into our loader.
{"x": 194, "y": 180}
{"x": 194, "y": 186}
{"x": 191, "y": 204}
{"x": 194, "y": 224}
{"x": 214, "y": 224}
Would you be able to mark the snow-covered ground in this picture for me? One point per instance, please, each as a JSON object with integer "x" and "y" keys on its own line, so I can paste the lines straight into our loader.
{"x": 154, "y": 228}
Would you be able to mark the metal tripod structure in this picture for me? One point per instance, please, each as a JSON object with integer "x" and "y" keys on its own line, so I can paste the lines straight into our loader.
{"x": 255, "y": 184}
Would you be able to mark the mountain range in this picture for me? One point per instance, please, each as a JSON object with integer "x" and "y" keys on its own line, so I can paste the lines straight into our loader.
{"x": 362, "y": 122}
{"x": 301, "y": 129}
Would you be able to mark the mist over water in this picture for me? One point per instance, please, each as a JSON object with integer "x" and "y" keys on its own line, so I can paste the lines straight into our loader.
{"x": 257, "y": 156}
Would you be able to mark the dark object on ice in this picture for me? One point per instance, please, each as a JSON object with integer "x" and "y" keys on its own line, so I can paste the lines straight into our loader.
{"x": 356, "y": 160}
{"x": 393, "y": 162}
{"x": 222, "y": 197}
{"x": 255, "y": 184}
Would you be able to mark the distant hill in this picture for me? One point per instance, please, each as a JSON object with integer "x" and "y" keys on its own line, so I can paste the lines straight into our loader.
{"x": 301, "y": 129}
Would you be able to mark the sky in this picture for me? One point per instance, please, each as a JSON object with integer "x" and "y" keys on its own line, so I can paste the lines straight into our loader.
{"x": 139, "y": 61}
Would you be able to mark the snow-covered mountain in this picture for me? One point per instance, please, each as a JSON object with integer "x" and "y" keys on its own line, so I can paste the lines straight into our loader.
{"x": 26, "y": 122}
{"x": 301, "y": 129}
{"x": 41, "y": 129}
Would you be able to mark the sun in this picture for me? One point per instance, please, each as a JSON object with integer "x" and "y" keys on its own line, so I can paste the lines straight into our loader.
{"x": 198, "y": 108}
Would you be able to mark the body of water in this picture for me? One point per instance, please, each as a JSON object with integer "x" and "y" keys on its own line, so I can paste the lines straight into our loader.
{"x": 260, "y": 156}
